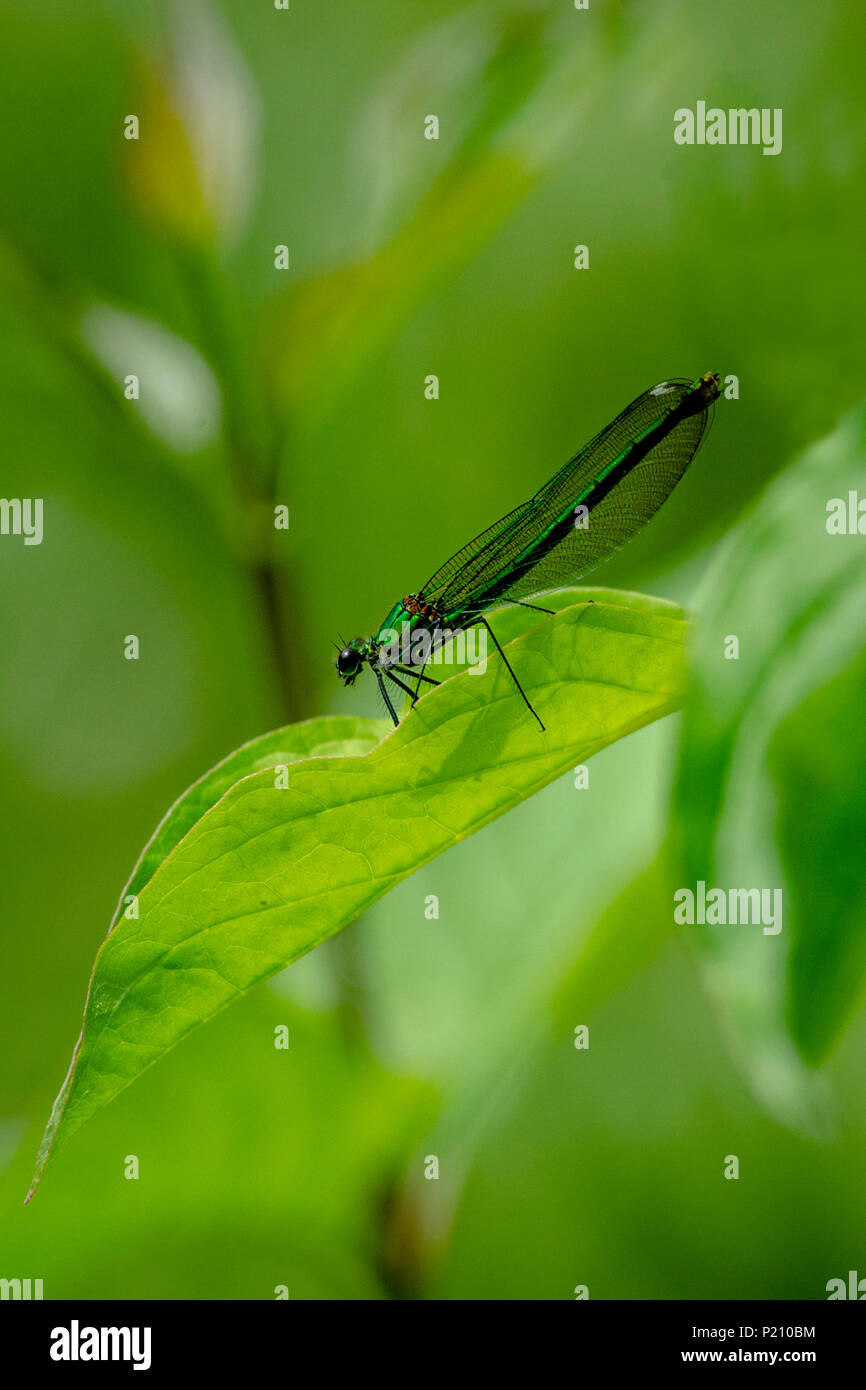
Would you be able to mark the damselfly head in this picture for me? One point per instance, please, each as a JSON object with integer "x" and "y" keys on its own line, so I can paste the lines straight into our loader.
{"x": 349, "y": 661}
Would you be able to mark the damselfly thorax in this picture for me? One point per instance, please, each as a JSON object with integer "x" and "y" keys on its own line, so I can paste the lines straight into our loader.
{"x": 415, "y": 605}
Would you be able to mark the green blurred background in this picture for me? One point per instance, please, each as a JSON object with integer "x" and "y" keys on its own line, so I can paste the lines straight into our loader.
{"x": 408, "y": 257}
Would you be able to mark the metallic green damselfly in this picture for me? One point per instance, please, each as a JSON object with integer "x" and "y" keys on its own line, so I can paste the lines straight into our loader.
{"x": 589, "y": 509}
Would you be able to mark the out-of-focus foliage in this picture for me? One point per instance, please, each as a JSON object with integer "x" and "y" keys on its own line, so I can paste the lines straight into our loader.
{"x": 811, "y": 759}
{"x": 796, "y": 641}
{"x": 408, "y": 257}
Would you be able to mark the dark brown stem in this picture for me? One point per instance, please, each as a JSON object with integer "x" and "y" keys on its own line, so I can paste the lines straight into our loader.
{"x": 285, "y": 648}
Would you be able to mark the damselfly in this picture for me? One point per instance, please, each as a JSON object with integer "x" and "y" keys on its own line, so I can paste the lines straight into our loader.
{"x": 589, "y": 509}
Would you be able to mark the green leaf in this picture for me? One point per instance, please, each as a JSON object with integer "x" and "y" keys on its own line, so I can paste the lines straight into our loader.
{"x": 348, "y": 736}
{"x": 245, "y": 876}
{"x": 795, "y": 597}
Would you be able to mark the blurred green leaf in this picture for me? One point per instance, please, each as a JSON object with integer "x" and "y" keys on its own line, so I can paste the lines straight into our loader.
{"x": 318, "y": 332}
{"x": 622, "y": 941}
{"x": 270, "y": 871}
{"x": 191, "y": 170}
{"x": 816, "y": 759}
{"x": 180, "y": 399}
{"x": 512, "y": 90}
{"x": 794, "y": 596}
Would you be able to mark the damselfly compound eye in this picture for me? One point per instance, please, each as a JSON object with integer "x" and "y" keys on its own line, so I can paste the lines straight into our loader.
{"x": 348, "y": 662}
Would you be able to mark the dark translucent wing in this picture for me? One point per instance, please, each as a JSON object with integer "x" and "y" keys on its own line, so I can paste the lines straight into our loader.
{"x": 536, "y": 546}
{"x": 616, "y": 518}
{"x": 609, "y": 443}
{"x": 490, "y": 541}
